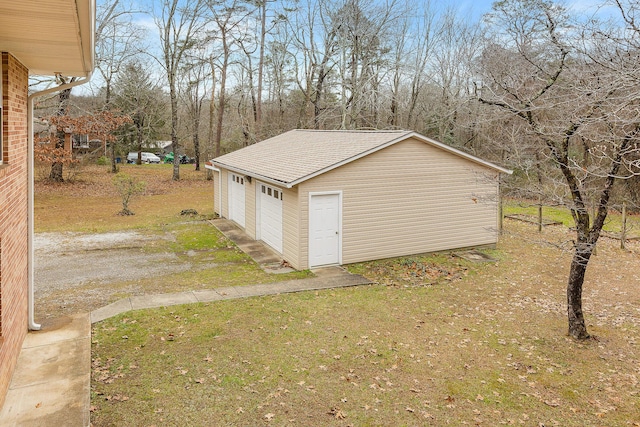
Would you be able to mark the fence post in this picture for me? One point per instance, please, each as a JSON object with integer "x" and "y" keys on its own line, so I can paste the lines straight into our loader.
{"x": 623, "y": 232}
{"x": 593, "y": 219}
{"x": 500, "y": 215}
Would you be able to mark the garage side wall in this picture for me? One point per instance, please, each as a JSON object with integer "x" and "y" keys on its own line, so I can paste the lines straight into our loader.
{"x": 406, "y": 199}
{"x": 217, "y": 206}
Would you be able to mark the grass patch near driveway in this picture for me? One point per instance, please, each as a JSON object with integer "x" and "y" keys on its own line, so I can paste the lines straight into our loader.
{"x": 91, "y": 202}
{"x": 440, "y": 341}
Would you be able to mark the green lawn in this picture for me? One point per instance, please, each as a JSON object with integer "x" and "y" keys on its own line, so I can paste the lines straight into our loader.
{"x": 437, "y": 341}
{"x": 440, "y": 341}
{"x": 613, "y": 222}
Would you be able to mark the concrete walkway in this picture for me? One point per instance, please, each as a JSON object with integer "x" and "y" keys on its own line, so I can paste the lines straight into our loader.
{"x": 50, "y": 386}
{"x": 51, "y": 383}
{"x": 326, "y": 278}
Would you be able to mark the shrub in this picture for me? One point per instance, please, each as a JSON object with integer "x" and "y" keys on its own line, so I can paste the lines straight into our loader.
{"x": 127, "y": 187}
{"x": 103, "y": 161}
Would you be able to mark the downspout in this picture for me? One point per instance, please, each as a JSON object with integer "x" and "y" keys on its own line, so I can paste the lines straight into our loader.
{"x": 33, "y": 326}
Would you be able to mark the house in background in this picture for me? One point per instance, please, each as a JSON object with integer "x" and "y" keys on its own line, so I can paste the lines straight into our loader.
{"x": 160, "y": 147}
{"x": 44, "y": 37}
{"x": 76, "y": 144}
{"x": 339, "y": 197}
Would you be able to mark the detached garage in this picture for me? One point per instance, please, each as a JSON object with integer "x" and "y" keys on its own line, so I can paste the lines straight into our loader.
{"x": 339, "y": 197}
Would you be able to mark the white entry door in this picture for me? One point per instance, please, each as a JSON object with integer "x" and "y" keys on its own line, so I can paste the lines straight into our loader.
{"x": 324, "y": 229}
{"x": 236, "y": 198}
{"x": 270, "y": 216}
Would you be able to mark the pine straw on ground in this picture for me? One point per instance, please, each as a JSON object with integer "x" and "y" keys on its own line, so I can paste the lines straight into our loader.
{"x": 440, "y": 341}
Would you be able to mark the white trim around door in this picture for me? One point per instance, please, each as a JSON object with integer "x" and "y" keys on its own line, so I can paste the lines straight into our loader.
{"x": 269, "y": 201}
{"x": 325, "y": 228}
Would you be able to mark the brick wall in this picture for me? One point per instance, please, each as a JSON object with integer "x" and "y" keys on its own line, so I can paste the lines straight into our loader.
{"x": 13, "y": 218}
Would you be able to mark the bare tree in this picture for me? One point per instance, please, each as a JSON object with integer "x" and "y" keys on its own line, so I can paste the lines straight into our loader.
{"x": 178, "y": 22}
{"x": 361, "y": 31}
{"x": 227, "y": 18}
{"x": 194, "y": 91}
{"x": 459, "y": 43}
{"x": 315, "y": 39}
{"x": 423, "y": 44}
{"x": 568, "y": 100}
{"x": 118, "y": 40}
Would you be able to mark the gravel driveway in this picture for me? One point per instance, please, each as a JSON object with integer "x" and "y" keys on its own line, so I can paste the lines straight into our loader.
{"x": 88, "y": 263}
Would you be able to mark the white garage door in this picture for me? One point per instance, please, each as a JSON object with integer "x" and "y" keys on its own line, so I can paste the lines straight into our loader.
{"x": 324, "y": 229}
{"x": 236, "y": 198}
{"x": 270, "y": 216}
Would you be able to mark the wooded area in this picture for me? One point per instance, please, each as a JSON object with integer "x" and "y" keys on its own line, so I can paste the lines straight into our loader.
{"x": 550, "y": 92}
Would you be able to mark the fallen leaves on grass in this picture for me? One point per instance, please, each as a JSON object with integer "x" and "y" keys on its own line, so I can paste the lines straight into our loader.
{"x": 337, "y": 413}
{"x": 414, "y": 272}
{"x": 116, "y": 398}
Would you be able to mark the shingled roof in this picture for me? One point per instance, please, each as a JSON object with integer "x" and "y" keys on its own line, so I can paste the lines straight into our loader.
{"x": 301, "y": 154}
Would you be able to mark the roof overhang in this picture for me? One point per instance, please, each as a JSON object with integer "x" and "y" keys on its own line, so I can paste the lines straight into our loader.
{"x": 217, "y": 166}
{"x": 403, "y": 137}
{"x": 210, "y": 166}
{"x": 50, "y": 36}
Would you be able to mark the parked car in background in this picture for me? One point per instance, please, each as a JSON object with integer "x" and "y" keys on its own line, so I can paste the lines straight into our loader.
{"x": 132, "y": 157}
{"x": 183, "y": 158}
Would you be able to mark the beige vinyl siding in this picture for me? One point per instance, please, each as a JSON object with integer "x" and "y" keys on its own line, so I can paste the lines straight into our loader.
{"x": 224, "y": 195}
{"x": 250, "y": 208}
{"x": 405, "y": 199}
{"x": 291, "y": 228}
{"x": 217, "y": 207}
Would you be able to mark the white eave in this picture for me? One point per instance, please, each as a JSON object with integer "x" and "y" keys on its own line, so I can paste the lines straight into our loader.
{"x": 50, "y": 36}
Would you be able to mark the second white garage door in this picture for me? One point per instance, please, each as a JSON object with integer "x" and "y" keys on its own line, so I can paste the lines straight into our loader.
{"x": 270, "y": 216}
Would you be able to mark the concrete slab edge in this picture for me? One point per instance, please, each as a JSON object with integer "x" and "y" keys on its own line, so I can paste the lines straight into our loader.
{"x": 212, "y": 295}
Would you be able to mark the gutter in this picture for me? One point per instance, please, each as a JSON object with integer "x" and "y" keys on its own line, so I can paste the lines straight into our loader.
{"x": 33, "y": 326}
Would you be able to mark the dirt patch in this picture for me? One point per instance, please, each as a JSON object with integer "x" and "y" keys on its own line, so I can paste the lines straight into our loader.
{"x": 475, "y": 256}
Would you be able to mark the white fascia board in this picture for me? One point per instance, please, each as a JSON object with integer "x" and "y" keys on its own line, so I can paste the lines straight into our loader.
{"x": 262, "y": 178}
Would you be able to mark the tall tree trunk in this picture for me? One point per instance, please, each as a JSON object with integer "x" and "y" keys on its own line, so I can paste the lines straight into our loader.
{"x": 174, "y": 130}
{"x": 196, "y": 140}
{"x": 263, "y": 32}
{"x": 221, "y": 101}
{"x": 581, "y": 256}
{"x": 221, "y": 95}
{"x": 63, "y": 104}
{"x": 212, "y": 114}
{"x": 318, "y": 96}
{"x": 107, "y": 106}
{"x": 114, "y": 166}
